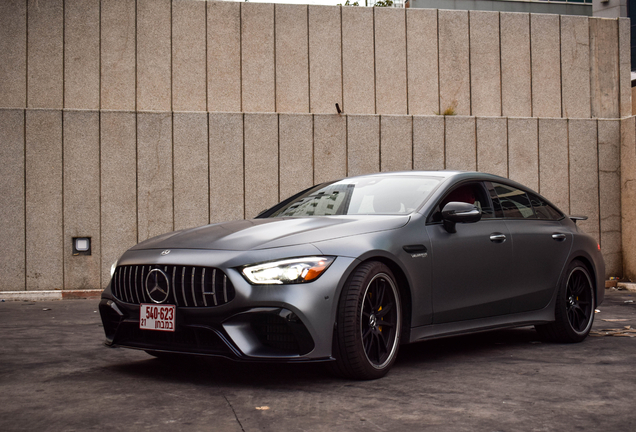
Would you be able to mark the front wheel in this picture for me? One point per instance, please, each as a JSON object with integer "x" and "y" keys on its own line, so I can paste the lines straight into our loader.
{"x": 575, "y": 305}
{"x": 369, "y": 322}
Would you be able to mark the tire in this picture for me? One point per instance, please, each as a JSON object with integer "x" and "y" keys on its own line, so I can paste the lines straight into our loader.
{"x": 369, "y": 322}
{"x": 574, "y": 310}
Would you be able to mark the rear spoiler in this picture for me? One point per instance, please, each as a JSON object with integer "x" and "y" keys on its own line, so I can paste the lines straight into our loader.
{"x": 577, "y": 218}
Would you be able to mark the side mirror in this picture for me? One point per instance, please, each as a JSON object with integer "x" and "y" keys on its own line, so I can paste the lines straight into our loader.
{"x": 459, "y": 212}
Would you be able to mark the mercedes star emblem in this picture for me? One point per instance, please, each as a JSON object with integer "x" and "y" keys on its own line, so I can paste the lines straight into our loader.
{"x": 157, "y": 286}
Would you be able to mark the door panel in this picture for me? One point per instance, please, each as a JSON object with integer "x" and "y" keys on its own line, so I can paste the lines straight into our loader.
{"x": 470, "y": 270}
{"x": 539, "y": 251}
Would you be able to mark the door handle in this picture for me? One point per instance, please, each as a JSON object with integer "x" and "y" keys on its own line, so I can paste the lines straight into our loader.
{"x": 497, "y": 237}
{"x": 416, "y": 248}
{"x": 558, "y": 236}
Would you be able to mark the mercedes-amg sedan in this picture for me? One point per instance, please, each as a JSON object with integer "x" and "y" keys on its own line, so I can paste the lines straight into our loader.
{"x": 347, "y": 271}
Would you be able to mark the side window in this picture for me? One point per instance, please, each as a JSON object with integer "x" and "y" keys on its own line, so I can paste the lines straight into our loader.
{"x": 495, "y": 200}
{"x": 471, "y": 193}
{"x": 542, "y": 209}
{"x": 514, "y": 202}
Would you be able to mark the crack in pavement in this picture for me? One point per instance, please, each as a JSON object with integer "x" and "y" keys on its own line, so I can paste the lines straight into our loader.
{"x": 235, "y": 416}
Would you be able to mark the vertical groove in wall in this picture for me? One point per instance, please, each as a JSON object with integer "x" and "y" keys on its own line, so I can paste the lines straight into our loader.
{"x": 63, "y": 215}
{"x": 243, "y": 145}
{"x": 277, "y": 140}
{"x": 173, "y": 165}
{"x": 406, "y": 56}
{"x": 375, "y": 74}
{"x": 439, "y": 92}
{"x": 309, "y": 77}
{"x": 592, "y": 50}
{"x": 207, "y": 94}
{"x": 172, "y": 101}
{"x": 313, "y": 148}
{"x": 99, "y": 84}
{"x": 508, "y": 146}
{"x": 568, "y": 146}
{"x": 476, "y": 142}
{"x": 207, "y": 138}
{"x": 137, "y": 172}
{"x": 63, "y": 67}
{"x": 24, "y": 192}
{"x": 136, "y": 84}
{"x": 24, "y": 121}
{"x": 444, "y": 152}
{"x": 560, "y": 68}
{"x": 538, "y": 158}
{"x": 598, "y": 179}
{"x": 347, "y": 145}
{"x": 380, "y": 142}
{"x": 241, "y": 91}
{"x": 275, "y": 94}
{"x": 530, "y": 49}
{"x": 500, "y": 71}
{"x": 342, "y": 99}
{"x": 26, "y": 85}
{"x": 412, "y": 142}
{"x": 99, "y": 175}
{"x": 618, "y": 66}
{"x": 470, "y": 75}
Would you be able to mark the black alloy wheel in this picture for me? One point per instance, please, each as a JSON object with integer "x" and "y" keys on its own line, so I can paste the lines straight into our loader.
{"x": 575, "y": 305}
{"x": 579, "y": 300}
{"x": 369, "y": 323}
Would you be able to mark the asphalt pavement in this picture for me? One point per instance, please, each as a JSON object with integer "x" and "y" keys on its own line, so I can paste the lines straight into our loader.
{"x": 56, "y": 374}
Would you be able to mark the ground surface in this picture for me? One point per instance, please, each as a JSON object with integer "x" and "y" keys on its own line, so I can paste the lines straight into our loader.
{"x": 55, "y": 374}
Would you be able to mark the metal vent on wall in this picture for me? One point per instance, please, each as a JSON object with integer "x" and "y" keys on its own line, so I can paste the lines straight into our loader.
{"x": 190, "y": 286}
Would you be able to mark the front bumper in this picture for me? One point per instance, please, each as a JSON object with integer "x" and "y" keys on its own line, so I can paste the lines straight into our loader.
{"x": 261, "y": 323}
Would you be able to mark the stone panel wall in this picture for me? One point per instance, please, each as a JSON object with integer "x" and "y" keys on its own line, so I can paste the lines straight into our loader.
{"x": 122, "y": 120}
{"x": 121, "y": 177}
{"x": 179, "y": 55}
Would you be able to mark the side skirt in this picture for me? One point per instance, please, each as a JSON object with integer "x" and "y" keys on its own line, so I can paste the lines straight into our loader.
{"x": 436, "y": 331}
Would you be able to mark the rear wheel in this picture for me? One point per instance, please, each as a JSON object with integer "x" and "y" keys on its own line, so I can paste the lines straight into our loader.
{"x": 369, "y": 323}
{"x": 575, "y": 305}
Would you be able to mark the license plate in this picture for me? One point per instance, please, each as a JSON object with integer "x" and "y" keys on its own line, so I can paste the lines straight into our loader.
{"x": 157, "y": 317}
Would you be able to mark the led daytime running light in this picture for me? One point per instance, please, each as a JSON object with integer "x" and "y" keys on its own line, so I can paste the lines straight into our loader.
{"x": 289, "y": 271}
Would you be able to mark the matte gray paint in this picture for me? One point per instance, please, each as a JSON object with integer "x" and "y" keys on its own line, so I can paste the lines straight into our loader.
{"x": 354, "y": 239}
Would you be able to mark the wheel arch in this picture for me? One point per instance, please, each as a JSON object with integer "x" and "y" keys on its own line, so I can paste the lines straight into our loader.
{"x": 405, "y": 293}
{"x": 591, "y": 270}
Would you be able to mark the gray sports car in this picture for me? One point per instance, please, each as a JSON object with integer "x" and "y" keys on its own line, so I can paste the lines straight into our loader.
{"x": 346, "y": 271}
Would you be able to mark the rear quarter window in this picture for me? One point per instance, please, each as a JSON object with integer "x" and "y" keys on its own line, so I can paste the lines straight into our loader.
{"x": 514, "y": 202}
{"x": 542, "y": 209}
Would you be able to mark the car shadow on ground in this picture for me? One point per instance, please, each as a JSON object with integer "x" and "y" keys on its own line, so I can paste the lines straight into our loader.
{"x": 217, "y": 371}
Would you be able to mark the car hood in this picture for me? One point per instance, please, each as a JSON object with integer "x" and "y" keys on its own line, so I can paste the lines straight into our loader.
{"x": 270, "y": 233}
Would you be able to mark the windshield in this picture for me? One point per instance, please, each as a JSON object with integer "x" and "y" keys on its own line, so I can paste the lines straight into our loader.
{"x": 361, "y": 195}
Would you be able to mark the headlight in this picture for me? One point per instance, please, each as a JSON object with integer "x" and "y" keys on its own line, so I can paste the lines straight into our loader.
{"x": 113, "y": 268}
{"x": 289, "y": 271}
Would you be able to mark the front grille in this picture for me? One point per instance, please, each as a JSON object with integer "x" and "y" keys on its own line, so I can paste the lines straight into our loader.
{"x": 190, "y": 286}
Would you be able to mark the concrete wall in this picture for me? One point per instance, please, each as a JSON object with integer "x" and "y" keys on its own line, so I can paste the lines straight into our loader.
{"x": 181, "y": 55}
{"x": 122, "y": 120}
{"x": 121, "y": 177}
